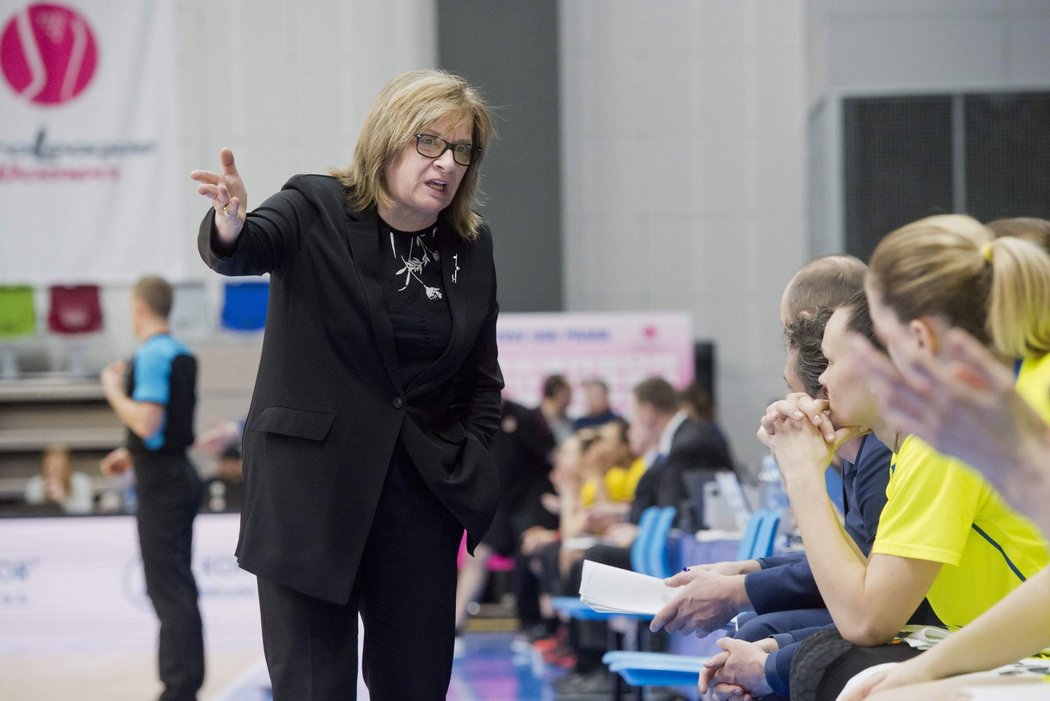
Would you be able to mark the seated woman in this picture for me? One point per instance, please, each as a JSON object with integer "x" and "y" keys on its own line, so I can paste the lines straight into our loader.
{"x": 57, "y": 483}
{"x": 964, "y": 402}
{"x": 600, "y": 493}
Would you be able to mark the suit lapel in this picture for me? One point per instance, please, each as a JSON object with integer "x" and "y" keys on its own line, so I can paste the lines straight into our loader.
{"x": 363, "y": 240}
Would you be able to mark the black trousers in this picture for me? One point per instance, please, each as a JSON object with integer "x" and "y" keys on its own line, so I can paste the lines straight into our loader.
{"x": 405, "y": 592}
{"x": 169, "y": 492}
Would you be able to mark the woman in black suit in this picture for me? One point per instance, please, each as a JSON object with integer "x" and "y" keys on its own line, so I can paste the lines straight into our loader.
{"x": 378, "y": 394}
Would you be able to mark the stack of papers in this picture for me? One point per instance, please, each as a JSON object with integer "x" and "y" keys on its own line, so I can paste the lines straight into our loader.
{"x": 614, "y": 590}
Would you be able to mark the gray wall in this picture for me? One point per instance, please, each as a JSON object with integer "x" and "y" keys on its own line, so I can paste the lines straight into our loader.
{"x": 884, "y": 47}
{"x": 683, "y": 158}
{"x": 510, "y": 50}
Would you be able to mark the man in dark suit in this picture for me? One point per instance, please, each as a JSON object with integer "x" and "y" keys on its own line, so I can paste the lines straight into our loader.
{"x": 682, "y": 446}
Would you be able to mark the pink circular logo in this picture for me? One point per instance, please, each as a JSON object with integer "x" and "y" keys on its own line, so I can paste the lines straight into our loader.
{"x": 48, "y": 53}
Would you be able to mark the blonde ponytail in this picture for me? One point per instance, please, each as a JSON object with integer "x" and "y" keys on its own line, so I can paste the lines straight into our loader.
{"x": 950, "y": 267}
{"x": 1019, "y": 302}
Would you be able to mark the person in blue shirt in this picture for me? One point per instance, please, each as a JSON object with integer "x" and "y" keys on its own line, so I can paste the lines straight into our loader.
{"x": 154, "y": 396}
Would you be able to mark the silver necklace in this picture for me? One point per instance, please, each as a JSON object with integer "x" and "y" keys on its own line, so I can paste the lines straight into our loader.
{"x": 416, "y": 260}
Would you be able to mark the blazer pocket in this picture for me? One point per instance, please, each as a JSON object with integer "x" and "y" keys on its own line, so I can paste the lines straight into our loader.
{"x": 453, "y": 433}
{"x": 311, "y": 425}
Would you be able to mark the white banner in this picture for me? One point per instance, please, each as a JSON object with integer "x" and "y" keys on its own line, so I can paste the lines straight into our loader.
{"x": 76, "y": 583}
{"x": 90, "y": 179}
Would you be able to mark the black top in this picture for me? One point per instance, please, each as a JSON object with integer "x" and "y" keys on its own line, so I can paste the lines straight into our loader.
{"x": 410, "y": 274}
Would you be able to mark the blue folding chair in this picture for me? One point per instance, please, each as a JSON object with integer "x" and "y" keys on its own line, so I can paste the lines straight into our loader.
{"x": 657, "y": 551}
{"x": 766, "y": 536}
{"x": 649, "y": 555}
{"x": 665, "y": 669}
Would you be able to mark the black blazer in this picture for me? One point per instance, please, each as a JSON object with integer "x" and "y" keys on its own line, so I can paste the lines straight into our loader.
{"x": 693, "y": 447}
{"x": 328, "y": 407}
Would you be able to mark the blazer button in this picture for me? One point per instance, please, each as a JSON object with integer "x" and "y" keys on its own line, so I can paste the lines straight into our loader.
{"x": 398, "y": 402}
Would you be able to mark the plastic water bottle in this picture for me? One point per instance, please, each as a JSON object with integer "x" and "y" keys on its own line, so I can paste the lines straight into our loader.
{"x": 774, "y": 495}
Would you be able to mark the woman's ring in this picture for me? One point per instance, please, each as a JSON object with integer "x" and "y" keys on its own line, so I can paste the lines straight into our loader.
{"x": 224, "y": 210}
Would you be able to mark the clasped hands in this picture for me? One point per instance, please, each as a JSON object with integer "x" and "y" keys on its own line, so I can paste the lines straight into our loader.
{"x": 738, "y": 672}
{"x": 801, "y": 436}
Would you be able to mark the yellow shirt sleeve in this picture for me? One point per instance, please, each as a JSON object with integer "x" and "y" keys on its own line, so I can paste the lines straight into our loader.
{"x": 931, "y": 501}
{"x": 1033, "y": 384}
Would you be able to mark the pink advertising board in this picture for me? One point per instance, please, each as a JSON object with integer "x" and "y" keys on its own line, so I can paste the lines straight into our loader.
{"x": 621, "y": 348}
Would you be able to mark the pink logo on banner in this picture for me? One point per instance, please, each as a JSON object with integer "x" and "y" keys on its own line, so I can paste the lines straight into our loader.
{"x": 48, "y": 53}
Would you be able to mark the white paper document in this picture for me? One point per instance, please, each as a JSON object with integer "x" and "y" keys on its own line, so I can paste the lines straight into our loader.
{"x": 615, "y": 590}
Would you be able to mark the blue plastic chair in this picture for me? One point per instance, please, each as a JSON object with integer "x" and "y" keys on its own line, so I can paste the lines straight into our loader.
{"x": 649, "y": 555}
{"x": 747, "y": 542}
{"x": 766, "y": 537}
{"x": 657, "y": 550}
{"x": 655, "y": 668}
{"x": 664, "y": 669}
{"x": 245, "y": 304}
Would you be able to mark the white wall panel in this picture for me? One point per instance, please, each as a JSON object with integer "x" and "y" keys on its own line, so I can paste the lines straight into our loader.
{"x": 683, "y": 131}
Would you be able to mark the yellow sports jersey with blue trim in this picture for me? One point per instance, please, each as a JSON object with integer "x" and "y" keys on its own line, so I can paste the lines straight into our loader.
{"x": 939, "y": 509}
{"x": 1033, "y": 384}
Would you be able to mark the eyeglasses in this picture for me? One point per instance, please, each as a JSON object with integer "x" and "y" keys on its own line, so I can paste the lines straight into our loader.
{"x": 434, "y": 147}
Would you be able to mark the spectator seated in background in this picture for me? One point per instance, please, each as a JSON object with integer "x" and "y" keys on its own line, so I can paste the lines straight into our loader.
{"x": 58, "y": 484}
{"x": 554, "y": 406}
{"x": 673, "y": 445}
{"x": 597, "y": 493}
{"x": 521, "y": 450}
{"x": 225, "y": 490}
{"x": 597, "y": 410}
{"x": 698, "y": 406}
{"x": 593, "y": 491}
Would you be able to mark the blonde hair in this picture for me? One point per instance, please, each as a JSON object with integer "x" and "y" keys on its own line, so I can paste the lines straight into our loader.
{"x": 1029, "y": 228}
{"x": 950, "y": 266}
{"x": 405, "y": 106}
